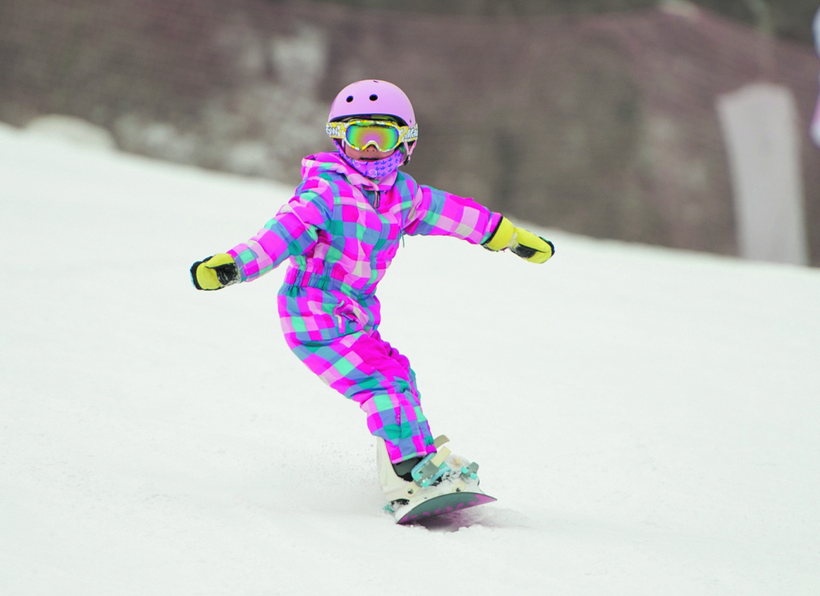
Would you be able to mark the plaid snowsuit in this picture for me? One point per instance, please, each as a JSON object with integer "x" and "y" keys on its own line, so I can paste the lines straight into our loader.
{"x": 341, "y": 232}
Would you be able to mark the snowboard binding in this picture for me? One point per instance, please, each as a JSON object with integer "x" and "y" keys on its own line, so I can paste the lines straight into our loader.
{"x": 437, "y": 465}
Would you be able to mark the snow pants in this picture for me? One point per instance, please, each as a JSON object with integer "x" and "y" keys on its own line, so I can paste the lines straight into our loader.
{"x": 336, "y": 336}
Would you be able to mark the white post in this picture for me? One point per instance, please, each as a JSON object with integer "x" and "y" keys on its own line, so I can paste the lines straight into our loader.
{"x": 760, "y": 129}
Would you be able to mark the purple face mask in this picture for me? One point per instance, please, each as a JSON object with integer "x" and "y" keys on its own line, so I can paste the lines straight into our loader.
{"x": 378, "y": 168}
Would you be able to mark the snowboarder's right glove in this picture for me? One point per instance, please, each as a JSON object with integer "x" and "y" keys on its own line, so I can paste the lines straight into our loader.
{"x": 525, "y": 244}
{"x": 214, "y": 273}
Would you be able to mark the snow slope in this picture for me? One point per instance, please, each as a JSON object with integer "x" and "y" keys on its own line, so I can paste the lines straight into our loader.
{"x": 648, "y": 419}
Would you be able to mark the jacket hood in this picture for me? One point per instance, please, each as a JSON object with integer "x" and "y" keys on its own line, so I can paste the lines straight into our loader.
{"x": 314, "y": 165}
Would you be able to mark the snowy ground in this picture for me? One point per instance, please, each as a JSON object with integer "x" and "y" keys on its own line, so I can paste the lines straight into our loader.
{"x": 648, "y": 419}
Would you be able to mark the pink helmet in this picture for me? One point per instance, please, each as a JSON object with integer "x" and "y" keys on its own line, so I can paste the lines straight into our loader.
{"x": 371, "y": 97}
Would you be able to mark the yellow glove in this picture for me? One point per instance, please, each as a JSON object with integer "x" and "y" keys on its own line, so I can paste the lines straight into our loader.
{"x": 214, "y": 273}
{"x": 525, "y": 244}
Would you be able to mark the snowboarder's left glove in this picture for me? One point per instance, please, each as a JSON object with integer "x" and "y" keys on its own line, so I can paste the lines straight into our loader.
{"x": 214, "y": 273}
{"x": 525, "y": 244}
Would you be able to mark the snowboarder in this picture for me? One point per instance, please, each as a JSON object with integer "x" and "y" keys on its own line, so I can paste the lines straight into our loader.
{"x": 340, "y": 231}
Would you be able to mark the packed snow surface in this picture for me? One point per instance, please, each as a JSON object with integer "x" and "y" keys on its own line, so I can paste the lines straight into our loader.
{"x": 648, "y": 419}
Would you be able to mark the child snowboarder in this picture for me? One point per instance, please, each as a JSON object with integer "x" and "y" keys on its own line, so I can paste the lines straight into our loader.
{"x": 341, "y": 230}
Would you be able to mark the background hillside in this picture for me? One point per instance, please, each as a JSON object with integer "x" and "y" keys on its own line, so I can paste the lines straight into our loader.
{"x": 592, "y": 117}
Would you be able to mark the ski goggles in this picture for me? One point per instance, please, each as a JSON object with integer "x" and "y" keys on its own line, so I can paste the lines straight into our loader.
{"x": 384, "y": 135}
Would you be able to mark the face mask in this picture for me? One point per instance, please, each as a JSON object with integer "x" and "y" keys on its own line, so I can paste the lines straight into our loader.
{"x": 378, "y": 168}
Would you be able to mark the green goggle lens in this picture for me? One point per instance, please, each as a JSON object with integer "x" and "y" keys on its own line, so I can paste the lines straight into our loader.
{"x": 361, "y": 136}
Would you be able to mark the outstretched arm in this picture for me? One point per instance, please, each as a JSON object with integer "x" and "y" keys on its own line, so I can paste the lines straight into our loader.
{"x": 291, "y": 232}
{"x": 439, "y": 213}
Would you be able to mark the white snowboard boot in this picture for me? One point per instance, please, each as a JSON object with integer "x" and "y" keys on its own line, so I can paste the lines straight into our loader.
{"x": 394, "y": 487}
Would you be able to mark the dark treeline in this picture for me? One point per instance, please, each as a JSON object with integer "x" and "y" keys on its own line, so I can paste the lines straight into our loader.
{"x": 787, "y": 19}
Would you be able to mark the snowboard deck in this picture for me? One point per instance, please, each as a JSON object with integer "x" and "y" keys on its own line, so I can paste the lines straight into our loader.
{"x": 440, "y": 505}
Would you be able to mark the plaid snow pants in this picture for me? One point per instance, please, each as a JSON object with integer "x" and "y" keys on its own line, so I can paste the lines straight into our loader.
{"x": 336, "y": 336}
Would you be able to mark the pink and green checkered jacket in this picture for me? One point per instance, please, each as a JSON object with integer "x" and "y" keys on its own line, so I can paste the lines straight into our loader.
{"x": 342, "y": 230}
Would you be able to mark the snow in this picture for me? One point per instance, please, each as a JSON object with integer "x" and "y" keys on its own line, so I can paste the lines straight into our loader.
{"x": 648, "y": 419}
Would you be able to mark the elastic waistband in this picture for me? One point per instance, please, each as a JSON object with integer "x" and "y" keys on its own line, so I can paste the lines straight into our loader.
{"x": 303, "y": 279}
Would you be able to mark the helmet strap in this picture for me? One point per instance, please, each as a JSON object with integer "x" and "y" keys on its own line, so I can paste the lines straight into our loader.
{"x": 408, "y": 151}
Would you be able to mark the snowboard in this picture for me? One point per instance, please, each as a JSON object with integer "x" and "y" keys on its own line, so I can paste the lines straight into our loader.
{"x": 440, "y": 505}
